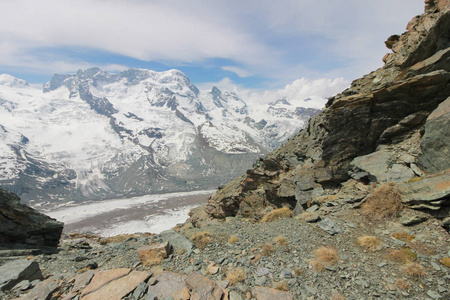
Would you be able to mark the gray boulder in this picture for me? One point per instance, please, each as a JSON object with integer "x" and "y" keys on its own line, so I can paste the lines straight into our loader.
{"x": 13, "y": 272}
{"x": 177, "y": 240}
{"x": 435, "y": 145}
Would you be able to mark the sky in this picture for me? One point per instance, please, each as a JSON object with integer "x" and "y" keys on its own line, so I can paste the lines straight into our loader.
{"x": 258, "y": 48}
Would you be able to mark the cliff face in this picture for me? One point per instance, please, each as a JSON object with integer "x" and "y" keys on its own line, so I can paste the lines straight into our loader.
{"x": 389, "y": 126}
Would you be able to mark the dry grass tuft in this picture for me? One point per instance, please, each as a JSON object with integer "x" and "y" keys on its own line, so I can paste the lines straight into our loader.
{"x": 403, "y": 255}
{"x": 282, "y": 286}
{"x": 402, "y": 284}
{"x": 281, "y": 240}
{"x": 327, "y": 255}
{"x": 446, "y": 261}
{"x": 233, "y": 239}
{"x": 317, "y": 265}
{"x": 414, "y": 270}
{"x": 266, "y": 249}
{"x": 403, "y": 236}
{"x": 235, "y": 276}
{"x": 337, "y": 297}
{"x": 276, "y": 214}
{"x": 298, "y": 271}
{"x": 201, "y": 239}
{"x": 324, "y": 256}
{"x": 369, "y": 242}
{"x": 385, "y": 203}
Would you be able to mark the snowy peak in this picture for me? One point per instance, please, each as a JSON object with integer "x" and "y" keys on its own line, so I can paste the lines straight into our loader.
{"x": 11, "y": 81}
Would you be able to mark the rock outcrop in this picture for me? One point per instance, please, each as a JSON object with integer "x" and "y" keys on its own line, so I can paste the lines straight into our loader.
{"x": 389, "y": 126}
{"x": 24, "y": 227}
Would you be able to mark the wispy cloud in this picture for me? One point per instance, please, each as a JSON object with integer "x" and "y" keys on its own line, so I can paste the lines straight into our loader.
{"x": 277, "y": 40}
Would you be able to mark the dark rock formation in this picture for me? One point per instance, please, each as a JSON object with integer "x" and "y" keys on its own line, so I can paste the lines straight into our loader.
{"x": 24, "y": 227}
{"x": 370, "y": 132}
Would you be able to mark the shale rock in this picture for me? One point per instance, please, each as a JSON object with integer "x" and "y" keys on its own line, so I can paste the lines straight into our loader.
{"x": 24, "y": 227}
{"x": 11, "y": 273}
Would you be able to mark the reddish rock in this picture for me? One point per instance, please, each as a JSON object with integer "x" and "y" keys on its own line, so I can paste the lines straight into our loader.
{"x": 213, "y": 268}
{"x": 82, "y": 280}
{"x": 263, "y": 293}
{"x": 118, "y": 288}
{"x": 104, "y": 277}
{"x": 153, "y": 254}
{"x": 203, "y": 288}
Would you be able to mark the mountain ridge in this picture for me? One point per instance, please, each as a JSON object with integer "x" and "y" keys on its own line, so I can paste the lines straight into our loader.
{"x": 91, "y": 130}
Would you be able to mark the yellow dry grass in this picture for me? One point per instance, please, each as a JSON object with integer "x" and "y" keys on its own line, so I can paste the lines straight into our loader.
{"x": 235, "y": 276}
{"x": 369, "y": 242}
{"x": 276, "y": 214}
{"x": 282, "y": 286}
{"x": 402, "y": 284}
{"x": 266, "y": 249}
{"x": 233, "y": 239}
{"x": 403, "y": 236}
{"x": 446, "y": 261}
{"x": 201, "y": 239}
{"x": 327, "y": 255}
{"x": 414, "y": 270}
{"x": 337, "y": 297}
{"x": 403, "y": 255}
{"x": 385, "y": 203}
{"x": 281, "y": 240}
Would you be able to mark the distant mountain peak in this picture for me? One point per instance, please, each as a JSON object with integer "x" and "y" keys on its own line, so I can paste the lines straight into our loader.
{"x": 11, "y": 81}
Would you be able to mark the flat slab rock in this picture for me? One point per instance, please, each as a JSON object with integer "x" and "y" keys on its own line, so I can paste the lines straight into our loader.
{"x": 426, "y": 193}
{"x": 264, "y": 293}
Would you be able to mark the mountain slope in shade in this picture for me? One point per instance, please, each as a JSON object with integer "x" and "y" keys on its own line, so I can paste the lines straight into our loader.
{"x": 94, "y": 134}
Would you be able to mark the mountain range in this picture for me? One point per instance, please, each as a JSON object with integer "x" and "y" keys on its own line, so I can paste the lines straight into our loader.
{"x": 95, "y": 135}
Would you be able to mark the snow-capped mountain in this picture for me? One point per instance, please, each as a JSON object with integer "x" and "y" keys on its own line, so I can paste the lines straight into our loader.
{"x": 95, "y": 135}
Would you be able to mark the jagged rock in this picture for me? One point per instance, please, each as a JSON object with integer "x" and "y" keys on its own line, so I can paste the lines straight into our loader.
{"x": 13, "y": 272}
{"x": 153, "y": 254}
{"x": 361, "y": 126}
{"x": 43, "y": 290}
{"x": 435, "y": 145}
{"x": 176, "y": 240}
{"x": 24, "y": 227}
{"x": 119, "y": 287}
{"x": 414, "y": 220}
{"x": 430, "y": 193}
{"x": 329, "y": 226}
{"x": 264, "y": 293}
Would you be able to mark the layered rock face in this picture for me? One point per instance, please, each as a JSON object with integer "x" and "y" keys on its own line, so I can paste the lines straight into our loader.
{"x": 389, "y": 126}
{"x": 24, "y": 227}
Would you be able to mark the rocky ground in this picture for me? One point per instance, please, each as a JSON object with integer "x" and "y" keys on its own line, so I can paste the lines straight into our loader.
{"x": 279, "y": 254}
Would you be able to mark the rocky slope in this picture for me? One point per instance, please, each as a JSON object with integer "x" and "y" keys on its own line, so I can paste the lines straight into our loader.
{"x": 94, "y": 135}
{"x": 389, "y": 126}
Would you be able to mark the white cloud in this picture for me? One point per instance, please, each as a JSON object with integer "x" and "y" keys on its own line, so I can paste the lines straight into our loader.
{"x": 238, "y": 71}
{"x": 299, "y": 89}
{"x": 282, "y": 40}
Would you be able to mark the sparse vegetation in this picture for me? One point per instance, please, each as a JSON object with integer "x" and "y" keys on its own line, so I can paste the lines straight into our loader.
{"x": 324, "y": 256}
{"x": 403, "y": 236}
{"x": 337, "y": 296}
{"x": 369, "y": 242}
{"x": 266, "y": 249}
{"x": 298, "y": 271}
{"x": 403, "y": 255}
{"x": 201, "y": 239}
{"x": 414, "y": 270}
{"x": 235, "y": 276}
{"x": 276, "y": 214}
{"x": 328, "y": 255}
{"x": 281, "y": 240}
{"x": 282, "y": 286}
{"x": 385, "y": 203}
{"x": 415, "y": 179}
{"x": 233, "y": 239}
{"x": 446, "y": 261}
{"x": 402, "y": 284}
